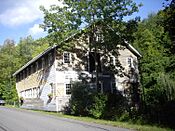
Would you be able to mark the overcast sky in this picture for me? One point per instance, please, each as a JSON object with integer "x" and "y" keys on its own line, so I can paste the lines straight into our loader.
{"x": 20, "y": 18}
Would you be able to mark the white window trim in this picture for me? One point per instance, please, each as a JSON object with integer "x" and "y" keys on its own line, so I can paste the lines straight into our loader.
{"x": 65, "y": 88}
{"x": 113, "y": 60}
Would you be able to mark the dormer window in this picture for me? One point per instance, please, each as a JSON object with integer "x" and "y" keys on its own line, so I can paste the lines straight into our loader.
{"x": 66, "y": 57}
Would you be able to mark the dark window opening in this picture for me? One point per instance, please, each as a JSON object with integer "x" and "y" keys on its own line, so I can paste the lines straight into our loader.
{"x": 92, "y": 61}
{"x": 50, "y": 59}
{"x": 39, "y": 64}
{"x": 100, "y": 87}
{"x": 114, "y": 89}
{"x": 29, "y": 69}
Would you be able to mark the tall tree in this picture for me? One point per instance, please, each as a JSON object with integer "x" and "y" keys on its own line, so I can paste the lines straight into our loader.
{"x": 8, "y": 65}
{"x": 61, "y": 22}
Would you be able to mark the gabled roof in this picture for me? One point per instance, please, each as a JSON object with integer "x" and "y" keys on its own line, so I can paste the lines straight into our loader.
{"x": 34, "y": 59}
{"x": 129, "y": 46}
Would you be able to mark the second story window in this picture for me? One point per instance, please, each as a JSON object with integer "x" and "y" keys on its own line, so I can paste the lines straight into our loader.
{"x": 50, "y": 59}
{"x": 43, "y": 63}
{"x": 31, "y": 68}
{"x": 112, "y": 60}
{"x": 130, "y": 61}
{"x": 66, "y": 57}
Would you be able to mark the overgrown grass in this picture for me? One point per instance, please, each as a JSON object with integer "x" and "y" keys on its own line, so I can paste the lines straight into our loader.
{"x": 105, "y": 122}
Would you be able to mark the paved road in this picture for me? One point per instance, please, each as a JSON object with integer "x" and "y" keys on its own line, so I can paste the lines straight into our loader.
{"x": 24, "y": 120}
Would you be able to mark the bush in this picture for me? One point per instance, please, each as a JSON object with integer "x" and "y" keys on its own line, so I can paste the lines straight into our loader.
{"x": 80, "y": 99}
{"x": 116, "y": 105}
{"x": 88, "y": 102}
{"x": 98, "y": 106}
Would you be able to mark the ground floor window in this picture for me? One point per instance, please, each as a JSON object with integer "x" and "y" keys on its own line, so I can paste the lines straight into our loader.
{"x": 68, "y": 89}
{"x": 113, "y": 87}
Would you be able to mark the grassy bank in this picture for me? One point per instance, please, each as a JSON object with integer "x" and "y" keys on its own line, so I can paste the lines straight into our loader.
{"x": 105, "y": 122}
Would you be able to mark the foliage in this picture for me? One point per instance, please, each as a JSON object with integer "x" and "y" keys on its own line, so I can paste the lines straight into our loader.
{"x": 103, "y": 18}
{"x": 12, "y": 58}
{"x": 85, "y": 101}
{"x": 61, "y": 22}
{"x": 156, "y": 67}
{"x": 98, "y": 105}
{"x": 81, "y": 99}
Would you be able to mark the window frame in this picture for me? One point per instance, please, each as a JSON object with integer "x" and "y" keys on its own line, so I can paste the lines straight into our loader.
{"x": 68, "y": 87}
{"x": 66, "y": 58}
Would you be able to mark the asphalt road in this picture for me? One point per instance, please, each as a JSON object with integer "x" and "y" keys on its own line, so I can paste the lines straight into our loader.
{"x": 25, "y": 120}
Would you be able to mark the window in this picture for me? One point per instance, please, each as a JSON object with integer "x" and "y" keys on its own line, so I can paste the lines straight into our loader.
{"x": 99, "y": 37}
{"x": 38, "y": 92}
{"x": 92, "y": 61}
{"x": 36, "y": 66}
{"x": 112, "y": 60}
{"x": 113, "y": 87}
{"x": 100, "y": 87}
{"x": 20, "y": 76}
{"x": 17, "y": 78}
{"x": 68, "y": 89}
{"x": 34, "y": 92}
{"x": 130, "y": 61}
{"x": 43, "y": 63}
{"x": 53, "y": 89}
{"x": 50, "y": 59}
{"x": 31, "y": 68}
{"x": 66, "y": 57}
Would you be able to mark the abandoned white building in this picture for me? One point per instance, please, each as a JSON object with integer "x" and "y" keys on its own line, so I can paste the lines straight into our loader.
{"x": 45, "y": 81}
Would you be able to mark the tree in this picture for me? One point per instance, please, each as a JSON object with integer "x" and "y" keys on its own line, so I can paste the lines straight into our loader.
{"x": 156, "y": 68}
{"x": 61, "y": 22}
{"x": 8, "y": 65}
{"x": 12, "y": 58}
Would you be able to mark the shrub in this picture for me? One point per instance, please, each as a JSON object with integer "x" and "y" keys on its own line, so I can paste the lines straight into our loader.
{"x": 98, "y": 106}
{"x": 80, "y": 99}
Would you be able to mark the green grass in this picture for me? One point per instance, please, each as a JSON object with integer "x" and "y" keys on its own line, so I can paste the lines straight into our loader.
{"x": 105, "y": 122}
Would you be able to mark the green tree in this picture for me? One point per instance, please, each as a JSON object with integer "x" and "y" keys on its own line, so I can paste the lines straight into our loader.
{"x": 8, "y": 65}
{"x": 154, "y": 43}
{"x": 61, "y": 22}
